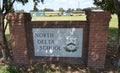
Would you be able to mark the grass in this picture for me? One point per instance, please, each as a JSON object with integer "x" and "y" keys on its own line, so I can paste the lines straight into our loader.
{"x": 114, "y": 21}
{"x": 59, "y": 18}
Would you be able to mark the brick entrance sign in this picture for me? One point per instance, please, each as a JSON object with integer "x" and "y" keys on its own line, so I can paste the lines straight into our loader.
{"x": 75, "y": 42}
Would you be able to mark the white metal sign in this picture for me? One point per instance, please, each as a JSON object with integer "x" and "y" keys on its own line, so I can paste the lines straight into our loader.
{"x": 58, "y": 42}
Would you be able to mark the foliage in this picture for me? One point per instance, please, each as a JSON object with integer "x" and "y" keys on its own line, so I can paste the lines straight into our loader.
{"x": 6, "y": 7}
{"x": 3, "y": 69}
{"x": 78, "y": 9}
{"x": 111, "y": 51}
{"x": 13, "y": 69}
{"x": 87, "y": 10}
{"x": 55, "y": 67}
{"x": 69, "y": 10}
{"x": 114, "y": 7}
{"x": 110, "y": 5}
{"x": 106, "y": 5}
{"x": 61, "y": 10}
{"x": 20, "y": 11}
{"x": 48, "y": 10}
{"x": 9, "y": 69}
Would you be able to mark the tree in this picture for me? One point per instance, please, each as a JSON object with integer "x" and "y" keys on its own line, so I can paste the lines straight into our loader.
{"x": 78, "y": 9}
{"x": 20, "y": 11}
{"x": 95, "y": 8}
{"x": 48, "y": 10}
{"x": 6, "y": 7}
{"x": 114, "y": 7}
{"x": 61, "y": 10}
{"x": 69, "y": 10}
{"x": 87, "y": 10}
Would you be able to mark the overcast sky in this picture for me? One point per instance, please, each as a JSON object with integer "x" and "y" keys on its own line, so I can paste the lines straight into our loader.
{"x": 55, "y": 4}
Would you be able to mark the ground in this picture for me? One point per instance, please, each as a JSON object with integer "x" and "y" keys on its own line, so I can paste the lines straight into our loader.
{"x": 60, "y": 68}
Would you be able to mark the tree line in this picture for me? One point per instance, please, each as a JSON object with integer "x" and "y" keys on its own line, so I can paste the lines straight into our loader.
{"x": 69, "y": 10}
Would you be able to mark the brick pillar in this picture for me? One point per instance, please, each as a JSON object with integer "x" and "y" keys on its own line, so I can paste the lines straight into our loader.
{"x": 98, "y": 34}
{"x": 17, "y": 24}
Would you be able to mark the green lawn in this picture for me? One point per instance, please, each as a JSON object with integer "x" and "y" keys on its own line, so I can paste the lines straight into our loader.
{"x": 59, "y": 18}
{"x": 113, "y": 22}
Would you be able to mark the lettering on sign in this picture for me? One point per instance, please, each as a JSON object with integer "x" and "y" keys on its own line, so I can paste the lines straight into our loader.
{"x": 58, "y": 42}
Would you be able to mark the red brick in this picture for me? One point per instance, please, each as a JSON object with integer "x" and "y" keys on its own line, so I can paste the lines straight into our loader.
{"x": 98, "y": 37}
{"x": 94, "y": 38}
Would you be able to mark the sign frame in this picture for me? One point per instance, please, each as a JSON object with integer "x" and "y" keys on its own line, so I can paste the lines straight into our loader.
{"x": 58, "y": 24}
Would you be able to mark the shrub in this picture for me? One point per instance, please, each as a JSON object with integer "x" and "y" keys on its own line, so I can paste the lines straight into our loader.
{"x": 9, "y": 69}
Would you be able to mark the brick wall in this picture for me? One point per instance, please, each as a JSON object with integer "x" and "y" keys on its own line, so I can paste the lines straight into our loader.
{"x": 95, "y": 31}
{"x": 99, "y": 22}
{"x": 17, "y": 23}
{"x": 59, "y": 24}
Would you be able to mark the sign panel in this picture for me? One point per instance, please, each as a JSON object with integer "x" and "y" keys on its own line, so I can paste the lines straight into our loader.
{"x": 58, "y": 42}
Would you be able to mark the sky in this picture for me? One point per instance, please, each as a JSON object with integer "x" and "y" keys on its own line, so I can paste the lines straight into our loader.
{"x": 55, "y": 4}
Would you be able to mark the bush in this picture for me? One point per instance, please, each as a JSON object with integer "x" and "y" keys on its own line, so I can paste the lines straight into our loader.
{"x": 3, "y": 69}
{"x": 13, "y": 69}
{"x": 111, "y": 50}
{"x": 9, "y": 69}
